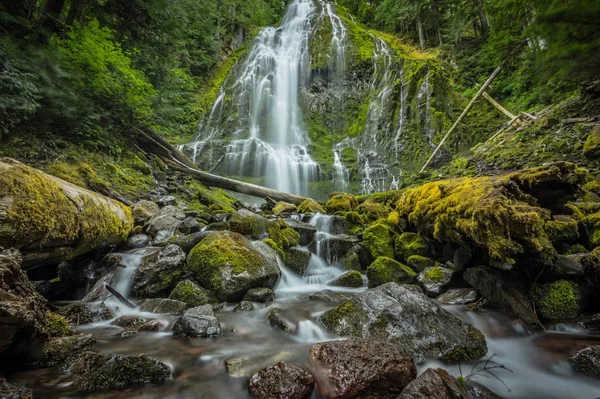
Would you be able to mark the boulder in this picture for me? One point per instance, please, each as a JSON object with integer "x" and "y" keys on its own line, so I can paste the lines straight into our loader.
{"x": 79, "y": 313}
{"x": 244, "y": 306}
{"x": 587, "y": 361}
{"x": 281, "y": 381}
{"x": 163, "y": 305}
{"x": 189, "y": 241}
{"x": 260, "y": 295}
{"x": 362, "y": 368}
{"x": 168, "y": 218}
{"x": 143, "y": 210}
{"x": 249, "y": 224}
{"x": 561, "y": 299}
{"x": 419, "y": 263}
{"x": 335, "y": 247}
{"x": 93, "y": 371}
{"x": 458, "y": 296}
{"x": 351, "y": 279}
{"x": 307, "y": 231}
{"x": 568, "y": 266}
{"x": 163, "y": 237}
{"x": 379, "y": 240}
{"x": 478, "y": 391}
{"x": 284, "y": 207}
{"x": 397, "y": 314}
{"x": 310, "y": 206}
{"x": 435, "y": 279}
{"x": 386, "y": 270}
{"x": 189, "y": 225}
{"x": 159, "y": 272}
{"x": 279, "y": 322}
{"x": 409, "y": 244}
{"x": 198, "y": 322}
{"x": 191, "y": 294}
{"x": 506, "y": 295}
{"x": 228, "y": 265}
{"x": 329, "y": 296}
{"x": 12, "y": 391}
{"x": 166, "y": 200}
{"x": 341, "y": 202}
{"x": 58, "y": 349}
{"x": 434, "y": 384}
{"x": 462, "y": 258}
{"x": 296, "y": 259}
{"x": 138, "y": 241}
{"x": 332, "y": 224}
{"x": 129, "y": 322}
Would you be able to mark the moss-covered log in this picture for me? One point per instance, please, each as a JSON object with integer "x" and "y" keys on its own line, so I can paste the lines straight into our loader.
{"x": 50, "y": 220}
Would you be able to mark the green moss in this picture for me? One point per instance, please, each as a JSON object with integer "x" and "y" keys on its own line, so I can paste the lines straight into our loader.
{"x": 386, "y": 270}
{"x": 283, "y": 235}
{"x": 372, "y": 210}
{"x": 591, "y": 224}
{"x": 310, "y": 206}
{"x": 409, "y": 244}
{"x": 474, "y": 348}
{"x": 273, "y": 244}
{"x": 557, "y": 300}
{"x": 55, "y": 325}
{"x": 576, "y": 249}
{"x": 419, "y": 263}
{"x": 189, "y": 293}
{"x": 251, "y": 225}
{"x": 345, "y": 311}
{"x": 561, "y": 231}
{"x": 393, "y": 219}
{"x": 591, "y": 148}
{"x": 352, "y": 279}
{"x": 435, "y": 274}
{"x": 341, "y": 202}
{"x": 284, "y": 207}
{"x": 379, "y": 240}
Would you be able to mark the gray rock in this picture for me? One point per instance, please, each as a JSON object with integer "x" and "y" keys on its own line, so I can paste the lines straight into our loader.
{"x": 167, "y": 200}
{"x": 350, "y": 279}
{"x": 506, "y": 295}
{"x": 138, "y": 241}
{"x": 191, "y": 294}
{"x": 162, "y": 237}
{"x": 57, "y": 350}
{"x": 462, "y": 258}
{"x": 458, "y": 296}
{"x": 334, "y": 248}
{"x": 281, "y": 381}
{"x": 198, "y": 322}
{"x": 143, "y": 210}
{"x": 362, "y": 368}
{"x": 329, "y": 296}
{"x": 587, "y": 361}
{"x": 163, "y": 305}
{"x": 435, "y": 279}
{"x": 478, "y": 391}
{"x": 159, "y": 272}
{"x": 434, "y": 384}
{"x": 398, "y": 315}
{"x": 187, "y": 242}
{"x": 168, "y": 218}
{"x": 566, "y": 266}
{"x": 79, "y": 313}
{"x": 307, "y": 231}
{"x": 189, "y": 225}
{"x": 296, "y": 259}
{"x": 244, "y": 306}
{"x": 12, "y": 391}
{"x": 260, "y": 295}
{"x": 129, "y": 322}
{"x": 279, "y": 322}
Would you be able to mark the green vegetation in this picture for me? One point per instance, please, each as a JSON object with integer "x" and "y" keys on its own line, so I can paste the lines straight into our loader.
{"x": 557, "y": 300}
{"x": 189, "y": 293}
{"x": 56, "y": 325}
{"x": 386, "y": 270}
{"x": 379, "y": 240}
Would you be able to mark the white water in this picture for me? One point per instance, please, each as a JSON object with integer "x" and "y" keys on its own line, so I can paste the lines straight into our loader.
{"x": 342, "y": 175}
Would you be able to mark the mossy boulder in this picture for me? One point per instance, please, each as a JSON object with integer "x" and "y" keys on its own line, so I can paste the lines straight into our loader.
{"x": 591, "y": 148}
{"x": 341, "y": 202}
{"x": 296, "y": 259}
{"x": 351, "y": 279}
{"x": 307, "y": 231}
{"x": 143, "y": 210}
{"x": 562, "y": 230}
{"x": 558, "y": 300}
{"x": 398, "y": 315}
{"x": 385, "y": 270}
{"x": 261, "y": 295}
{"x": 249, "y": 224}
{"x": 379, "y": 240}
{"x": 409, "y": 244}
{"x": 435, "y": 279}
{"x": 191, "y": 294}
{"x": 587, "y": 361}
{"x": 84, "y": 313}
{"x": 310, "y": 206}
{"x": 58, "y": 349}
{"x": 371, "y": 210}
{"x": 284, "y": 207}
{"x": 159, "y": 272}
{"x": 419, "y": 263}
{"x": 163, "y": 305}
{"x": 228, "y": 265}
{"x": 283, "y": 235}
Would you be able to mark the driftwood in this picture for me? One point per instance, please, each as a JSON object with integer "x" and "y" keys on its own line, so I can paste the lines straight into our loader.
{"x": 152, "y": 143}
{"x": 498, "y": 106}
{"x": 119, "y": 297}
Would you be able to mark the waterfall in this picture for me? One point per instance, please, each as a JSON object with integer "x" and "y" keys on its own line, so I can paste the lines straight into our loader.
{"x": 424, "y": 101}
{"x": 341, "y": 173}
{"x": 338, "y": 41}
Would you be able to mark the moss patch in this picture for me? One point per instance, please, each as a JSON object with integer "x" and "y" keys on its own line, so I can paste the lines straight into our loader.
{"x": 410, "y": 244}
{"x": 386, "y": 270}
{"x": 557, "y": 300}
{"x": 341, "y": 202}
{"x": 189, "y": 293}
{"x": 56, "y": 325}
{"x": 310, "y": 206}
{"x": 379, "y": 240}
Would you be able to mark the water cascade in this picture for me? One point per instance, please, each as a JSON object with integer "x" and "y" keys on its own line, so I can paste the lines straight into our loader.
{"x": 341, "y": 173}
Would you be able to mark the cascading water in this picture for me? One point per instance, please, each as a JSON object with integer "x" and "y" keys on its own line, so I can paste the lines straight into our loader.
{"x": 424, "y": 99}
{"x": 341, "y": 173}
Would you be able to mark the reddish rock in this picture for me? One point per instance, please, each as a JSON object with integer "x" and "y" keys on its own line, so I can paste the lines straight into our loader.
{"x": 281, "y": 381}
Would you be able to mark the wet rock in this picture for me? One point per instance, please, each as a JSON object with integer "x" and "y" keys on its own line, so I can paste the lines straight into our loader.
{"x": 351, "y": 261}
{"x": 341, "y": 202}
{"x": 57, "y": 350}
{"x": 568, "y": 266}
{"x": 138, "y": 241}
{"x": 167, "y": 200}
{"x": 218, "y": 226}
{"x": 434, "y": 384}
{"x": 236, "y": 367}
{"x": 420, "y": 325}
{"x": 163, "y": 237}
{"x": 93, "y": 371}
{"x": 189, "y": 225}
{"x": 478, "y": 391}
{"x": 296, "y": 259}
{"x": 51, "y": 290}
{"x": 458, "y": 296}
{"x": 191, "y": 294}
{"x": 284, "y": 207}
{"x": 12, "y": 391}
{"x": 504, "y": 294}
{"x": 310, "y": 206}
{"x": 329, "y": 296}
{"x": 561, "y": 299}
{"x": 168, "y": 218}
{"x": 198, "y": 322}
{"x": 587, "y": 361}
{"x": 249, "y": 224}
{"x": 244, "y": 306}
{"x": 277, "y": 321}
{"x": 187, "y": 242}
{"x": 129, "y": 322}
{"x": 229, "y": 265}
{"x": 281, "y": 381}
{"x": 336, "y": 247}
{"x": 351, "y": 279}
{"x": 143, "y": 210}
{"x": 419, "y": 263}
{"x": 307, "y": 231}
{"x": 386, "y": 270}
{"x": 163, "y": 305}
{"x": 260, "y": 295}
{"x": 159, "y": 272}
{"x": 462, "y": 258}
{"x": 84, "y": 313}
{"x": 592, "y": 324}
{"x": 435, "y": 279}
{"x": 362, "y": 368}
{"x": 22, "y": 312}
{"x": 150, "y": 326}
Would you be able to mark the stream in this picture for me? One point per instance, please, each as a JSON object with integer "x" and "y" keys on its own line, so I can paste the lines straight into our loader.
{"x": 220, "y": 367}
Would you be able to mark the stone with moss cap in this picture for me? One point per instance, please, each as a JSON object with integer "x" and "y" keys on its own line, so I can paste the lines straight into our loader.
{"x": 558, "y": 300}
{"x": 351, "y": 279}
{"x": 284, "y": 207}
{"x": 143, "y": 210}
{"x": 409, "y": 244}
{"x": 562, "y": 230}
{"x": 159, "y": 272}
{"x": 419, "y": 263}
{"x": 310, "y": 206}
{"x": 435, "y": 279}
{"x": 341, "y": 202}
{"x": 591, "y": 148}
{"x": 371, "y": 210}
{"x": 386, "y": 270}
{"x": 379, "y": 240}
{"x": 249, "y": 224}
{"x": 191, "y": 294}
{"x": 228, "y": 265}
{"x": 283, "y": 235}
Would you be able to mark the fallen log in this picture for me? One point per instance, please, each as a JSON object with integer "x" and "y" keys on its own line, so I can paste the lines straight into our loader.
{"x": 50, "y": 220}
{"x": 119, "y": 296}
{"x": 152, "y": 143}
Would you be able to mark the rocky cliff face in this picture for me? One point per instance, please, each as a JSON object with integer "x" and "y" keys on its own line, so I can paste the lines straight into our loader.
{"x": 325, "y": 101}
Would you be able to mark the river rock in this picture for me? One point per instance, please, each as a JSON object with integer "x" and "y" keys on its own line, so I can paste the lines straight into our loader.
{"x": 334, "y": 247}
{"x": 228, "y": 265}
{"x": 189, "y": 241}
{"x": 435, "y": 279}
{"x": 138, "y": 241}
{"x": 279, "y": 322}
{"x": 260, "y": 295}
{"x": 350, "y": 279}
{"x": 506, "y": 295}
{"x": 244, "y": 306}
{"x": 12, "y": 391}
{"x": 296, "y": 259}
{"x": 163, "y": 305}
{"x": 168, "y": 218}
{"x": 79, "y": 313}
{"x": 386, "y": 270}
{"x": 198, "y": 322}
{"x": 478, "y": 391}
{"x": 93, "y": 371}
{"x": 434, "y": 384}
{"x": 143, "y": 210}
{"x": 191, "y": 294}
{"x": 362, "y": 368}
{"x": 419, "y": 263}
{"x": 58, "y": 349}
{"x": 307, "y": 231}
{"x": 166, "y": 200}
{"x": 562, "y": 299}
{"x": 568, "y": 266}
{"x": 129, "y": 322}
{"x": 281, "y": 381}
{"x": 249, "y": 224}
{"x": 163, "y": 237}
{"x": 409, "y": 319}
{"x": 458, "y": 296}
{"x": 587, "y": 361}
{"x": 159, "y": 272}
{"x": 329, "y": 296}
{"x": 189, "y": 225}
{"x": 284, "y": 207}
